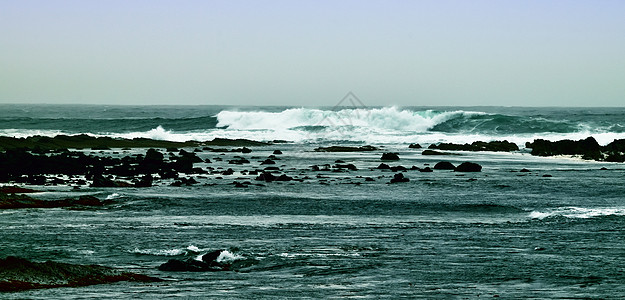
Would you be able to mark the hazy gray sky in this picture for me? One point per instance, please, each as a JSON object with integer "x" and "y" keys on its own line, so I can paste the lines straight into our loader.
{"x": 527, "y": 53}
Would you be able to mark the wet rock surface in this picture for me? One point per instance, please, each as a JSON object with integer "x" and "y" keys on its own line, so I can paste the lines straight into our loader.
{"x": 19, "y": 274}
{"x": 498, "y": 146}
{"x": 587, "y": 148}
{"x": 13, "y": 201}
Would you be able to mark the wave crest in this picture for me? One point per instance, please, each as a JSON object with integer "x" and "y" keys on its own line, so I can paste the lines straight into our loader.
{"x": 578, "y": 212}
{"x": 386, "y": 118}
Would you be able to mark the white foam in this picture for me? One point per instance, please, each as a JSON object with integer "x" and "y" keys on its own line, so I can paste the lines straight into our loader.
{"x": 167, "y": 252}
{"x": 113, "y": 196}
{"x": 227, "y": 256}
{"x": 387, "y": 125}
{"x": 578, "y": 212}
{"x": 386, "y": 118}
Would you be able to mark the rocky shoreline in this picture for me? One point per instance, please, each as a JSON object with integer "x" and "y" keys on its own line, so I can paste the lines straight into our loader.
{"x": 43, "y": 161}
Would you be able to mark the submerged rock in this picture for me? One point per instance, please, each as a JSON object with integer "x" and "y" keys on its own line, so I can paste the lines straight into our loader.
{"x": 432, "y": 152}
{"x": 18, "y": 274}
{"x": 14, "y": 201}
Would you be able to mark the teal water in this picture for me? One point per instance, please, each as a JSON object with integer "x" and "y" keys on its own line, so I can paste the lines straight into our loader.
{"x": 334, "y": 235}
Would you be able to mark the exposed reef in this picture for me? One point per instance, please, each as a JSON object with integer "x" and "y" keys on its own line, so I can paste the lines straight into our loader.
{"x": 19, "y": 274}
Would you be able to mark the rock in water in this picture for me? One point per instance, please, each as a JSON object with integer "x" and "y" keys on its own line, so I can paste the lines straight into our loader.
{"x": 468, "y": 167}
{"x": 399, "y": 177}
{"x": 432, "y": 152}
{"x": 425, "y": 170}
{"x": 18, "y": 274}
{"x": 444, "y": 165}
{"x": 188, "y": 265}
{"x": 345, "y": 149}
{"x": 390, "y": 156}
{"x": 384, "y": 166}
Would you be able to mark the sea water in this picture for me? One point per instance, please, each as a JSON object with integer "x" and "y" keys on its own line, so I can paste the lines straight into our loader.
{"x": 553, "y": 232}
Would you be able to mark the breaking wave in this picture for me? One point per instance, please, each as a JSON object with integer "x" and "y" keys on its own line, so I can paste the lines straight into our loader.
{"x": 578, "y": 212}
{"x": 391, "y": 125}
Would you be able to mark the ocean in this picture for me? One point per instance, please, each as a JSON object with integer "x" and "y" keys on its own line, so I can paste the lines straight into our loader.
{"x": 556, "y": 231}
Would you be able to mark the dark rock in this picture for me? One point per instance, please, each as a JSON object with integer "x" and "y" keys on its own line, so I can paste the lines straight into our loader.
{"x": 547, "y": 175}
{"x": 188, "y": 265}
{"x": 502, "y": 146}
{"x": 212, "y": 256}
{"x": 83, "y": 141}
{"x": 239, "y": 185}
{"x": 235, "y": 142}
{"x": 14, "y": 201}
{"x": 146, "y": 181}
{"x": 350, "y": 167}
{"x": 369, "y": 179}
{"x": 101, "y": 181}
{"x": 265, "y": 176}
{"x": 18, "y": 274}
{"x": 268, "y": 162}
{"x": 432, "y": 152}
{"x": 399, "y": 177}
{"x": 588, "y": 148}
{"x": 390, "y": 156}
{"x": 444, "y": 165}
{"x": 398, "y": 168}
{"x": 426, "y": 170}
{"x": 345, "y": 149}
{"x": 468, "y": 167}
{"x": 384, "y": 166}
{"x": 414, "y": 146}
{"x": 525, "y": 170}
{"x": 284, "y": 177}
{"x": 16, "y": 190}
{"x": 152, "y": 156}
{"x": 239, "y": 161}
{"x": 277, "y": 152}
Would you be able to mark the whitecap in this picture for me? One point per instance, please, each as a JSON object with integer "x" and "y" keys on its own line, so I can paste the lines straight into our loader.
{"x": 578, "y": 212}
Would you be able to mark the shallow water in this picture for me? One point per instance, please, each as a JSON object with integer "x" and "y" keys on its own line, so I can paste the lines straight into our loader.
{"x": 441, "y": 235}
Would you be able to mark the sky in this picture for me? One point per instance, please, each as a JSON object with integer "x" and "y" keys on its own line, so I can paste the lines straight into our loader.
{"x": 312, "y": 53}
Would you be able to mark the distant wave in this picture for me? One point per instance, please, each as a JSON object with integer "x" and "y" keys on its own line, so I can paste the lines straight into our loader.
{"x": 578, "y": 212}
{"x": 387, "y": 118}
{"x": 386, "y": 125}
